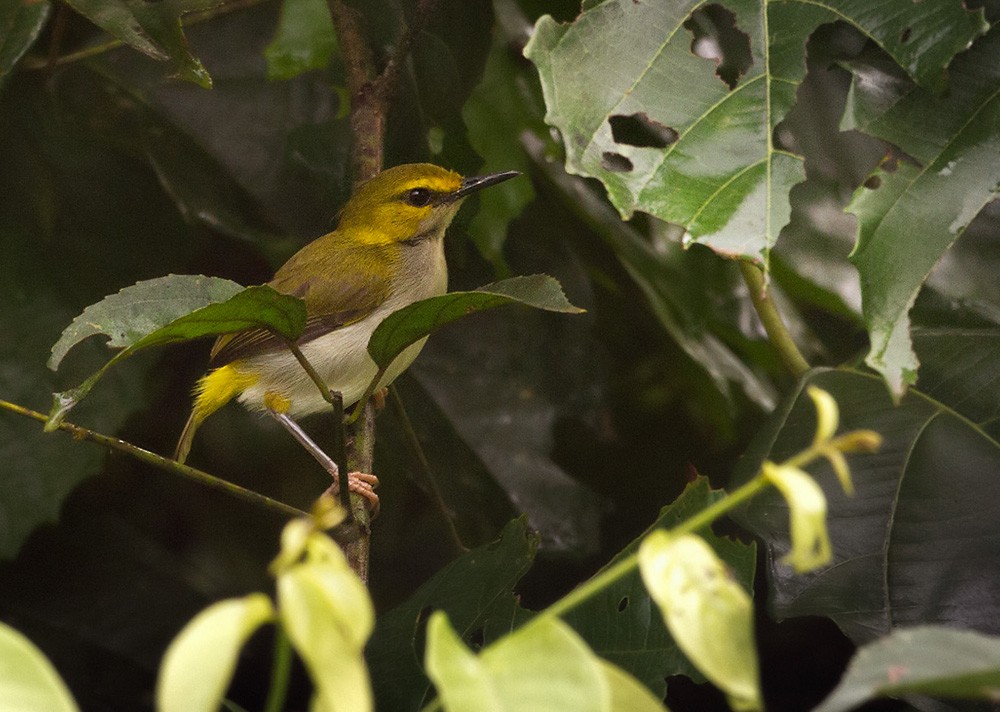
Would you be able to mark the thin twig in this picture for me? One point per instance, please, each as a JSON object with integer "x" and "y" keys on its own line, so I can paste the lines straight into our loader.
{"x": 151, "y": 458}
{"x": 425, "y": 480}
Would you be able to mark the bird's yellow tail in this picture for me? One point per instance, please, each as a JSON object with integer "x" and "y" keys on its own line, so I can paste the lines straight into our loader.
{"x": 214, "y": 390}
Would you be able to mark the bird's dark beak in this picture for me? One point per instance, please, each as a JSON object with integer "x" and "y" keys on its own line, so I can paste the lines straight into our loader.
{"x": 475, "y": 183}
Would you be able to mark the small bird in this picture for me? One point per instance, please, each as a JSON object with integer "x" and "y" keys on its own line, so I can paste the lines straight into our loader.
{"x": 387, "y": 252}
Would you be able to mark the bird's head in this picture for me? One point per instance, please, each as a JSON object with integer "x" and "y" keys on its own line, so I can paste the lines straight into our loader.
{"x": 410, "y": 203}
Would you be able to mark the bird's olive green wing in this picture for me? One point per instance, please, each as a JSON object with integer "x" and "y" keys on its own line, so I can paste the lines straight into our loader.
{"x": 339, "y": 286}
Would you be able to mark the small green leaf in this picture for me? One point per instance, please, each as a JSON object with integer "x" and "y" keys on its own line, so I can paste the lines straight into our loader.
{"x": 328, "y": 616}
{"x": 200, "y": 662}
{"x": 170, "y": 310}
{"x": 926, "y": 660}
{"x": 153, "y": 28}
{"x": 708, "y": 613}
{"x": 543, "y": 666}
{"x": 304, "y": 39}
{"x": 22, "y": 22}
{"x": 807, "y": 505}
{"x": 412, "y": 323}
{"x": 139, "y": 310}
{"x": 28, "y": 682}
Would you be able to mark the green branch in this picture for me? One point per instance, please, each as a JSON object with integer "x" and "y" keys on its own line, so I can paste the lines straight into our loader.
{"x": 775, "y": 327}
{"x": 164, "y": 463}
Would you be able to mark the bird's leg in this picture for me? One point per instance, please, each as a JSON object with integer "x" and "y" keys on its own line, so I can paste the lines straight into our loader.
{"x": 362, "y": 483}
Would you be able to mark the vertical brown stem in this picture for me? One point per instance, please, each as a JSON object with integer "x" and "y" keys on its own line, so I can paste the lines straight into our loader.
{"x": 370, "y": 92}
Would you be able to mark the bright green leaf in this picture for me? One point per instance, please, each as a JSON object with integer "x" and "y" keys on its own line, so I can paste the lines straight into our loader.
{"x": 927, "y": 660}
{"x": 28, "y": 682}
{"x": 711, "y": 164}
{"x": 910, "y": 215}
{"x": 169, "y": 310}
{"x": 461, "y": 678}
{"x": 627, "y": 693}
{"x": 22, "y": 22}
{"x": 200, "y": 662}
{"x": 304, "y": 40}
{"x": 543, "y": 666}
{"x": 328, "y": 616}
{"x": 708, "y": 613}
{"x": 412, "y": 323}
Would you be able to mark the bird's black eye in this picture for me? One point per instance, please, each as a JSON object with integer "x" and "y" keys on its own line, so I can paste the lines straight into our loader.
{"x": 418, "y": 197}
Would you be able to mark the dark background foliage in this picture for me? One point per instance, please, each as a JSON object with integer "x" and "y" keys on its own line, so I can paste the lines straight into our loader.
{"x": 113, "y": 172}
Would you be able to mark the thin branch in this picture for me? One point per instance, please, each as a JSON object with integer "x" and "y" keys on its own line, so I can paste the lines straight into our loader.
{"x": 151, "y": 458}
{"x": 426, "y": 480}
{"x": 775, "y": 327}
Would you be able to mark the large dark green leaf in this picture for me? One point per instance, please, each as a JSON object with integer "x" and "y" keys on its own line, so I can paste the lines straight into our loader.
{"x": 475, "y": 590}
{"x": 917, "y": 543}
{"x": 21, "y": 21}
{"x": 624, "y": 625}
{"x": 712, "y": 164}
{"x": 909, "y": 216}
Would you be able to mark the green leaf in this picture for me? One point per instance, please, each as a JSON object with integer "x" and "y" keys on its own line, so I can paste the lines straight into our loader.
{"x": 672, "y": 284}
{"x": 712, "y": 165}
{"x": 136, "y": 311}
{"x": 543, "y": 666}
{"x": 21, "y": 22}
{"x": 708, "y": 613}
{"x": 153, "y": 28}
{"x": 916, "y": 541}
{"x": 199, "y": 664}
{"x": 304, "y": 39}
{"x": 500, "y": 107}
{"x": 412, "y": 323}
{"x": 169, "y": 310}
{"x": 958, "y": 369}
{"x": 328, "y": 616}
{"x": 28, "y": 682}
{"x": 617, "y": 623}
{"x": 476, "y": 591}
{"x": 926, "y": 660}
{"x": 627, "y": 693}
{"x": 956, "y": 140}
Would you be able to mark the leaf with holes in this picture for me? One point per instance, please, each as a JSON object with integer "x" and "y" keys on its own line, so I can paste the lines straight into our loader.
{"x": 909, "y": 214}
{"x": 668, "y": 137}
